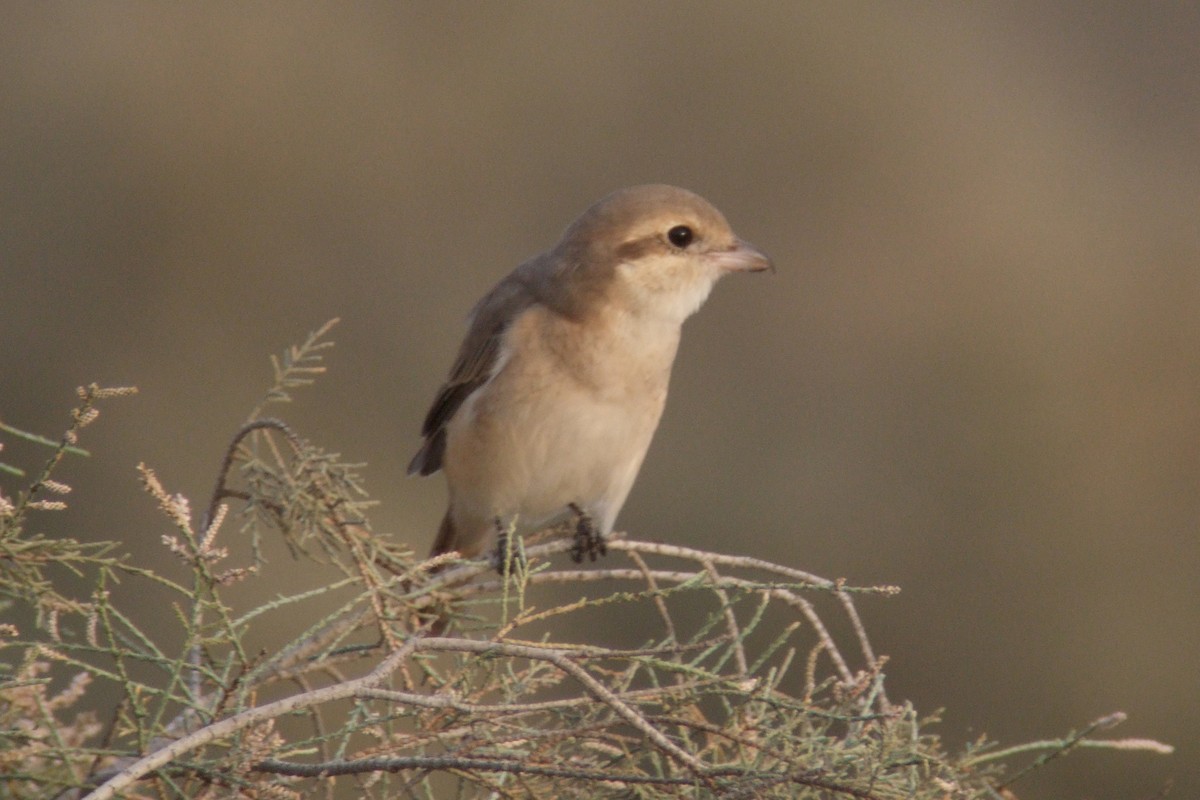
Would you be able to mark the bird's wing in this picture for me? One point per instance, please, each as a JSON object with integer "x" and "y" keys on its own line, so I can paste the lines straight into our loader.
{"x": 489, "y": 321}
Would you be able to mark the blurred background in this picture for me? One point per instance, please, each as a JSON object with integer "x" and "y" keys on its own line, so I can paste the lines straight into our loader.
{"x": 976, "y": 373}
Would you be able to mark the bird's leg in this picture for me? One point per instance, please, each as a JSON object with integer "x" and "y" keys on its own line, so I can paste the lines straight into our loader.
{"x": 589, "y": 541}
{"x": 509, "y": 556}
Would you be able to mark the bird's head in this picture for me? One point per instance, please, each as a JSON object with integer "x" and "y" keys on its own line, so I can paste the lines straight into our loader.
{"x": 653, "y": 251}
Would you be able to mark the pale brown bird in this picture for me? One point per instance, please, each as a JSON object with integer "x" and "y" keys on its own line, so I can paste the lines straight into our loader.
{"x": 560, "y": 382}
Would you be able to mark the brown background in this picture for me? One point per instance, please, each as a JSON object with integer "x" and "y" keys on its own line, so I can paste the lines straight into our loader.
{"x": 976, "y": 373}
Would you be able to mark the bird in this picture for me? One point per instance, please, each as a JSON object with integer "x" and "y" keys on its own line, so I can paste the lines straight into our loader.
{"x": 561, "y": 379}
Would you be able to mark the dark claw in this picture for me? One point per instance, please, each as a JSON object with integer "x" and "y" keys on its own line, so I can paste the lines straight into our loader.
{"x": 509, "y": 556}
{"x": 589, "y": 541}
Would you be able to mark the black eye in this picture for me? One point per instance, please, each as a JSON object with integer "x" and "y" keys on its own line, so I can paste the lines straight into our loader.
{"x": 680, "y": 236}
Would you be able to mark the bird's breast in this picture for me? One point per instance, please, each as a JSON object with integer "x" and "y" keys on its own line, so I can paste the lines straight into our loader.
{"x": 567, "y": 418}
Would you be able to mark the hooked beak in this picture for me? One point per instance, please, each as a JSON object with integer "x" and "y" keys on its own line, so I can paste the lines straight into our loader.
{"x": 742, "y": 257}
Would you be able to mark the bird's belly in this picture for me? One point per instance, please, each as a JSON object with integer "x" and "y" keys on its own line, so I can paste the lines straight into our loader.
{"x": 544, "y": 449}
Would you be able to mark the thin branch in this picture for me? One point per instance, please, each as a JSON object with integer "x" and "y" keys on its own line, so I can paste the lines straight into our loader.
{"x": 220, "y": 493}
{"x": 521, "y": 767}
{"x": 1060, "y": 747}
{"x": 731, "y": 622}
{"x": 222, "y": 728}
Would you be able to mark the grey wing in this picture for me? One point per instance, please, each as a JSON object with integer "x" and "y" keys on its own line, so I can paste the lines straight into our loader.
{"x": 472, "y": 368}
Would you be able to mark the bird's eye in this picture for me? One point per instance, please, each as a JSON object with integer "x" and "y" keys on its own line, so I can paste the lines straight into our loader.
{"x": 680, "y": 236}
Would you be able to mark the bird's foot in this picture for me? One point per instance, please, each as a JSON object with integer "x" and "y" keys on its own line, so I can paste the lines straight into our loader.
{"x": 589, "y": 541}
{"x": 509, "y": 556}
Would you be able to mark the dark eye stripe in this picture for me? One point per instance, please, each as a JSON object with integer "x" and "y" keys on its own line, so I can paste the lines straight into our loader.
{"x": 637, "y": 248}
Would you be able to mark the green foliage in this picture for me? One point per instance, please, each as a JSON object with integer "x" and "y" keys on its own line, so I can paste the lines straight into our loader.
{"x": 740, "y": 691}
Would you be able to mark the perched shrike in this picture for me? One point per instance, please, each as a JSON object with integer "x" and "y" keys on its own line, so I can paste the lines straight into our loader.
{"x": 560, "y": 382}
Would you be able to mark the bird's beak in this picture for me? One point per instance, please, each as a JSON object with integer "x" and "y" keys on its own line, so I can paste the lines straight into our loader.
{"x": 742, "y": 257}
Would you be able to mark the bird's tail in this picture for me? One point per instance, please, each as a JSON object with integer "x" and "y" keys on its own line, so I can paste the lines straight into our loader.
{"x": 446, "y": 537}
